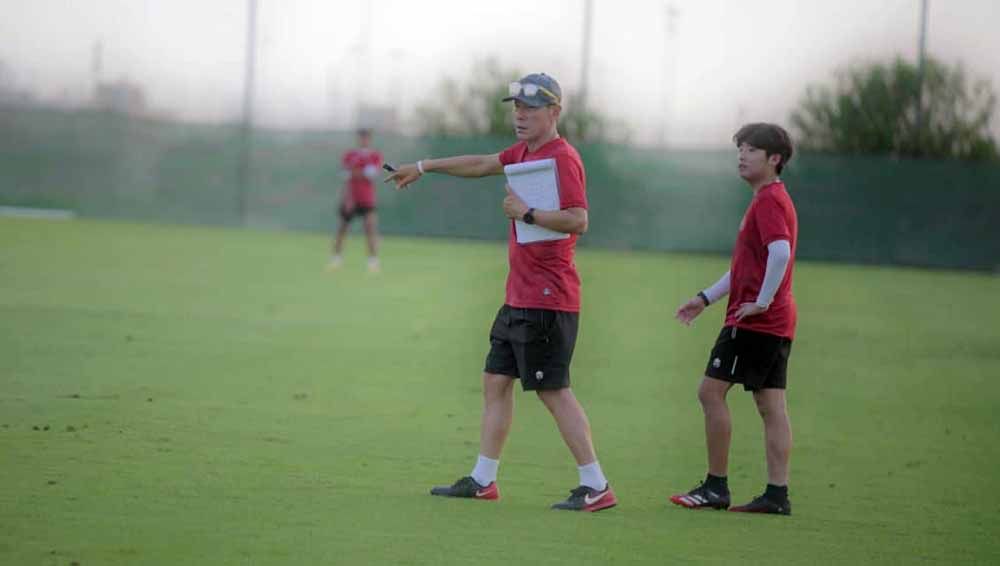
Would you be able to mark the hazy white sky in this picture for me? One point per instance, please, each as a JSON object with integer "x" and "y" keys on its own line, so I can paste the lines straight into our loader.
{"x": 727, "y": 62}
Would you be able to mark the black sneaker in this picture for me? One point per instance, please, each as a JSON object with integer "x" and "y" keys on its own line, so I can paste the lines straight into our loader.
{"x": 588, "y": 499}
{"x": 467, "y": 487}
{"x": 762, "y": 504}
{"x": 702, "y": 497}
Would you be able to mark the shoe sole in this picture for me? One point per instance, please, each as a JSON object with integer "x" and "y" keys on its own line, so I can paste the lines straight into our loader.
{"x": 594, "y": 509}
{"x": 697, "y": 507}
{"x": 735, "y": 510}
{"x": 597, "y": 508}
{"x": 490, "y": 497}
{"x": 460, "y": 497}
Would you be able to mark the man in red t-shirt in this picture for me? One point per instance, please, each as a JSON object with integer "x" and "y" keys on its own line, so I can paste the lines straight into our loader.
{"x": 534, "y": 333}
{"x": 756, "y": 339}
{"x": 361, "y": 166}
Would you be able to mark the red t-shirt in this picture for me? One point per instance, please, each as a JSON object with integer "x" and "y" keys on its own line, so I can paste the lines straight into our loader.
{"x": 770, "y": 217}
{"x": 360, "y": 188}
{"x": 542, "y": 274}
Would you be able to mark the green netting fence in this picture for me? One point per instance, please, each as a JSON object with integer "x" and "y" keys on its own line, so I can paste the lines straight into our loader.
{"x": 876, "y": 210}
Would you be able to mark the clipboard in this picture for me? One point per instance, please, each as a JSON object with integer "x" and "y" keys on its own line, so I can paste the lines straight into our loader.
{"x": 537, "y": 184}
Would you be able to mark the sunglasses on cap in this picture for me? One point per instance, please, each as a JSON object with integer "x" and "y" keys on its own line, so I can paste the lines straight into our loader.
{"x": 530, "y": 89}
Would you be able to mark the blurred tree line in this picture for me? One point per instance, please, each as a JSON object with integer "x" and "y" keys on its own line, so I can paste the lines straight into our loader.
{"x": 879, "y": 108}
{"x": 871, "y": 108}
{"x": 473, "y": 108}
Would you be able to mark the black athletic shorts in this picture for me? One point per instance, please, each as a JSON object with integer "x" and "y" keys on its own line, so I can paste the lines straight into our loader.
{"x": 755, "y": 359}
{"x": 535, "y": 345}
{"x": 348, "y": 213}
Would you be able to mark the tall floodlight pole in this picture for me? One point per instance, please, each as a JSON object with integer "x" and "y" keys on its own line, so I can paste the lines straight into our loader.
{"x": 243, "y": 179}
{"x": 668, "y": 69}
{"x": 363, "y": 66}
{"x": 588, "y": 15}
{"x": 921, "y": 64}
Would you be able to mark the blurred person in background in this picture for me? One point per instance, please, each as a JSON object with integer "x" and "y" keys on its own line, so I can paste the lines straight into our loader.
{"x": 361, "y": 166}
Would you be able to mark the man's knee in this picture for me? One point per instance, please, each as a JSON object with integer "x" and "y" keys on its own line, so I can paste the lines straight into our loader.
{"x": 552, "y": 397}
{"x": 764, "y": 411}
{"x": 546, "y": 394}
{"x": 495, "y": 384}
{"x": 711, "y": 394}
{"x": 770, "y": 406}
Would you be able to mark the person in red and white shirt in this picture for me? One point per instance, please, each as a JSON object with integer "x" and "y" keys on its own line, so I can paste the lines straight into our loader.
{"x": 534, "y": 332}
{"x": 756, "y": 339}
{"x": 361, "y": 166}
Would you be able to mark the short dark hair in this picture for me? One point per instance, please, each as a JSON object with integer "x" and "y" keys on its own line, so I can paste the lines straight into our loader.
{"x": 364, "y": 131}
{"x": 772, "y": 138}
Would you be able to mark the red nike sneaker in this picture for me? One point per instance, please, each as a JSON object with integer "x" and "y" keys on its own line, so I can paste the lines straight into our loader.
{"x": 467, "y": 487}
{"x": 585, "y": 498}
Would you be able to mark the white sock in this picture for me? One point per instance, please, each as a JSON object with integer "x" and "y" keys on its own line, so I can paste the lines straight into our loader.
{"x": 592, "y": 476}
{"x": 485, "y": 471}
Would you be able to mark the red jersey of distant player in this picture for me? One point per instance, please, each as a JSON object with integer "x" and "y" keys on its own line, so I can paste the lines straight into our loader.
{"x": 769, "y": 218}
{"x": 542, "y": 274}
{"x": 360, "y": 188}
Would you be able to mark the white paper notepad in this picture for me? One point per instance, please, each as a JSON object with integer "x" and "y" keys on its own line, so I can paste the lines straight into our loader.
{"x": 537, "y": 184}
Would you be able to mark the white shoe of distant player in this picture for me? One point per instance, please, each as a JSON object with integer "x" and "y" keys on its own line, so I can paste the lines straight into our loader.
{"x": 373, "y": 265}
{"x": 335, "y": 263}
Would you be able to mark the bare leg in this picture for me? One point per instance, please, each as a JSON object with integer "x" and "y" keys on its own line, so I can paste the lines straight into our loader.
{"x": 371, "y": 232}
{"x": 718, "y": 423}
{"x": 572, "y": 422}
{"x": 498, "y": 414}
{"x": 338, "y": 242}
{"x": 777, "y": 433}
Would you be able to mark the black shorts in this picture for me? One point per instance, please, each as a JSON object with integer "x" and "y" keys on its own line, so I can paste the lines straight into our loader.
{"x": 346, "y": 214}
{"x": 755, "y": 359}
{"x": 533, "y": 344}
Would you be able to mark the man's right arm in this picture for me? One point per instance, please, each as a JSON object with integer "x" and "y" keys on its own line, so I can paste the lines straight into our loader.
{"x": 693, "y": 307}
{"x": 465, "y": 165}
{"x": 718, "y": 290}
{"x": 460, "y": 166}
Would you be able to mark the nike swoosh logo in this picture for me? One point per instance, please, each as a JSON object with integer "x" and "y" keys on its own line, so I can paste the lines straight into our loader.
{"x": 589, "y": 501}
{"x": 481, "y": 492}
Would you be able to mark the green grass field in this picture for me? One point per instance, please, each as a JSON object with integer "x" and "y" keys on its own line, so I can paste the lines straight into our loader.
{"x": 177, "y": 395}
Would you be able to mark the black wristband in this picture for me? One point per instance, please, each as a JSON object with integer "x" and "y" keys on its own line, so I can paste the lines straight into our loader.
{"x": 529, "y": 217}
{"x": 704, "y": 297}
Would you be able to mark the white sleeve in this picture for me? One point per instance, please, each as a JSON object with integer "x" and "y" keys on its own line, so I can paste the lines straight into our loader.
{"x": 718, "y": 290}
{"x": 778, "y": 254}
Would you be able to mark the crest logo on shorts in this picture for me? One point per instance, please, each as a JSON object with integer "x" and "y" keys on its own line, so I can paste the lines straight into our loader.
{"x": 539, "y": 375}
{"x": 546, "y": 291}
{"x": 716, "y": 363}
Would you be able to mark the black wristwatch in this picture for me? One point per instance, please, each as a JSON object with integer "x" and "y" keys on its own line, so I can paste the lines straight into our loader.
{"x": 704, "y": 298}
{"x": 529, "y": 217}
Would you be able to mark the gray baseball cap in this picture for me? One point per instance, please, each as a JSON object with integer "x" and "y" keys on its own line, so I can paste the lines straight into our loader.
{"x": 536, "y": 90}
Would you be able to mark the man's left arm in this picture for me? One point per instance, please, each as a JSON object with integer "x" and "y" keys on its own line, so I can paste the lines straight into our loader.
{"x": 572, "y": 216}
{"x": 779, "y": 253}
{"x": 772, "y": 228}
{"x": 571, "y": 220}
